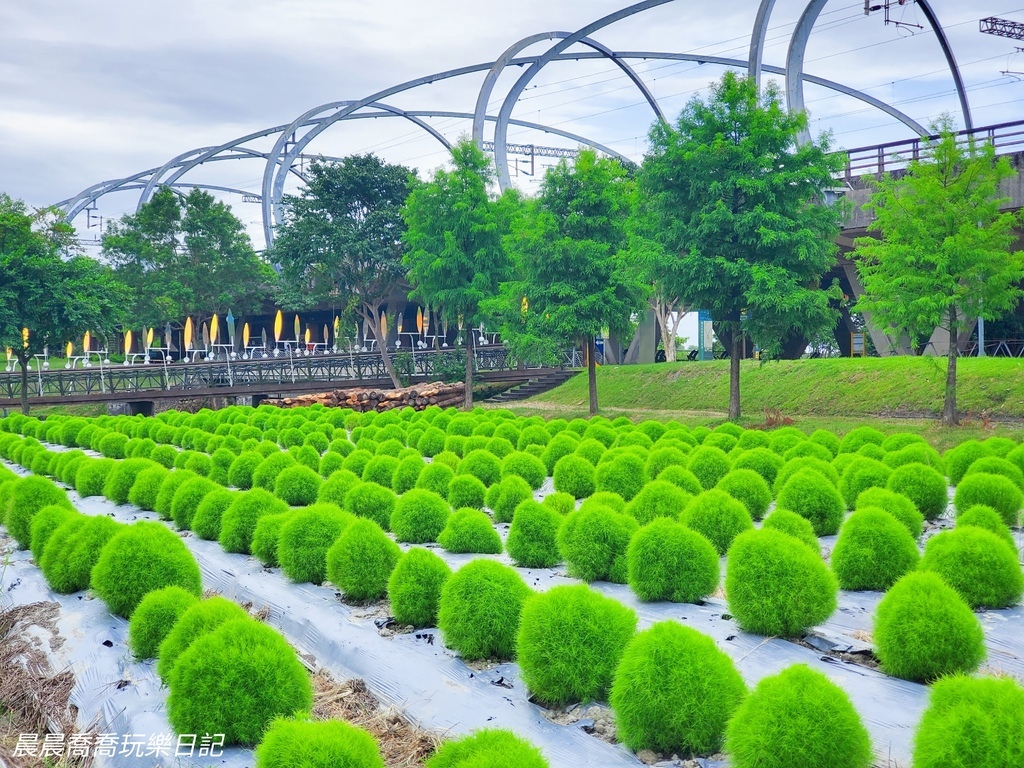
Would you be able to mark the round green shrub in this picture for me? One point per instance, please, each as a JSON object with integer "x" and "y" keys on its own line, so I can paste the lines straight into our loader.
{"x": 360, "y": 562}
{"x": 776, "y": 585}
{"x": 785, "y": 439}
{"x": 187, "y": 499}
{"x": 431, "y": 442}
{"x": 121, "y": 478}
{"x": 791, "y": 467}
{"x": 924, "y": 486}
{"x": 170, "y": 486}
{"x": 330, "y": 463}
{"x": 436, "y": 477}
{"x": 154, "y": 618}
{"x": 236, "y": 680}
{"x": 809, "y": 449}
{"x": 674, "y": 691}
{"x": 681, "y": 478}
{"x": 977, "y": 564}
{"x": 487, "y": 748}
{"x": 718, "y": 517}
{"x": 470, "y": 530}
{"x": 960, "y": 458}
{"x": 44, "y": 523}
{"x": 506, "y": 495}
{"x": 267, "y": 536}
{"x": 994, "y": 491}
{"x": 605, "y": 499}
{"x": 414, "y": 587}
{"x": 748, "y": 487}
{"x": 793, "y": 525}
{"x": 709, "y": 464}
{"x": 924, "y": 630}
{"x": 372, "y": 501}
{"x": 466, "y": 491}
{"x": 381, "y": 470}
{"x": 147, "y": 485}
{"x": 419, "y": 516}
{"x": 971, "y": 721}
{"x": 896, "y": 504}
{"x": 981, "y": 516}
{"x": 70, "y": 468}
{"x": 797, "y": 718}
{"x": 199, "y": 463}
{"x": 623, "y": 475}
{"x": 570, "y": 641}
{"x": 140, "y": 558}
{"x": 206, "y": 521}
{"x": 809, "y": 494}
{"x": 533, "y": 536}
{"x": 70, "y": 556}
{"x": 482, "y": 465}
{"x": 297, "y": 485}
{"x": 242, "y": 468}
{"x": 827, "y": 439}
{"x": 920, "y": 453}
{"x": 668, "y": 561}
{"x": 529, "y": 468}
{"x": 659, "y": 498}
{"x": 764, "y": 461}
{"x": 334, "y": 488}
{"x": 1000, "y": 446}
{"x": 266, "y": 472}
{"x": 994, "y": 465}
{"x": 163, "y": 455}
{"x": 660, "y": 458}
{"x": 574, "y": 475}
{"x": 856, "y": 438}
{"x": 561, "y": 445}
{"x": 591, "y": 450}
{"x": 871, "y": 451}
{"x": 92, "y": 476}
{"x": 291, "y": 742}
{"x": 112, "y": 445}
{"x": 860, "y": 474}
{"x": 27, "y": 497}
{"x": 198, "y": 619}
{"x": 305, "y": 539}
{"x": 238, "y": 522}
{"x": 478, "y": 613}
{"x": 407, "y": 473}
{"x": 593, "y": 543}
{"x": 873, "y": 551}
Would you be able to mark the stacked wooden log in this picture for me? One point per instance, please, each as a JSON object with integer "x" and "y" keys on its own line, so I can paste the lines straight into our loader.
{"x": 360, "y": 399}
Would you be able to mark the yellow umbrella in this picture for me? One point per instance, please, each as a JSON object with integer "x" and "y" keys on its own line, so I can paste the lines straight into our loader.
{"x": 149, "y": 337}
{"x": 214, "y": 327}
{"x": 188, "y": 333}
{"x": 419, "y": 320}
{"x": 24, "y": 337}
{"x": 278, "y": 326}
{"x": 10, "y": 354}
{"x": 308, "y": 334}
{"x": 69, "y": 349}
{"x": 245, "y": 335}
{"x": 525, "y": 305}
{"x": 298, "y": 328}
{"x": 383, "y": 325}
{"x": 85, "y": 343}
{"x": 127, "y": 341}
{"x": 337, "y": 327}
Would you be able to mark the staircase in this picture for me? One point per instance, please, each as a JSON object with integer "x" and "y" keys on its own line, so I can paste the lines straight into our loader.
{"x": 534, "y": 386}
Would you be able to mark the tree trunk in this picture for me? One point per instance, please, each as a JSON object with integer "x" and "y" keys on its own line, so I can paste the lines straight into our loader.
{"x": 592, "y": 373}
{"x": 735, "y": 349}
{"x": 949, "y": 414}
{"x": 24, "y": 384}
{"x": 662, "y": 310}
{"x": 469, "y": 370}
{"x": 370, "y": 313}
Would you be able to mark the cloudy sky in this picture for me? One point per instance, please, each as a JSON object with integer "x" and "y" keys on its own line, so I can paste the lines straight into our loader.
{"x": 100, "y": 89}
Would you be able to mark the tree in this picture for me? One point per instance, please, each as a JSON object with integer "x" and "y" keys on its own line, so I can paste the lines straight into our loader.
{"x": 185, "y": 257}
{"x": 567, "y": 252}
{"x": 342, "y": 236}
{"x": 736, "y": 198}
{"x": 454, "y": 253}
{"x": 46, "y": 300}
{"x": 944, "y": 256}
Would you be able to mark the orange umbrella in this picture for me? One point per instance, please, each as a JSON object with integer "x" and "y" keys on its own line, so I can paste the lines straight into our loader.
{"x": 419, "y": 320}
{"x": 245, "y": 335}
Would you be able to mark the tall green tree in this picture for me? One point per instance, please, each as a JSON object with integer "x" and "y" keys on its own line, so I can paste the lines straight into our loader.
{"x": 186, "y": 256}
{"x": 48, "y": 298}
{"x": 943, "y": 258}
{"x": 342, "y": 239}
{"x": 454, "y": 251}
{"x": 571, "y": 278}
{"x": 737, "y": 199}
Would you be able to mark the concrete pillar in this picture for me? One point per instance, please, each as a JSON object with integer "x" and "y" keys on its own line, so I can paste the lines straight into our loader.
{"x": 885, "y": 345}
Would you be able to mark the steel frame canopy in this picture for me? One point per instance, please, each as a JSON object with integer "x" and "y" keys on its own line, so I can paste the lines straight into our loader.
{"x": 291, "y": 139}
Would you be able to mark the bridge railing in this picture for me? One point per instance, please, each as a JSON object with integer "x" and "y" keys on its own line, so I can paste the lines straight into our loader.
{"x": 894, "y": 155}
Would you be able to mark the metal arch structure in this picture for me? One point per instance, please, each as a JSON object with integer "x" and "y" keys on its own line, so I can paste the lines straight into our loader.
{"x": 289, "y": 144}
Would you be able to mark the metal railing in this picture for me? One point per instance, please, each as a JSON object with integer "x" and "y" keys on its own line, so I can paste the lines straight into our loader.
{"x": 894, "y": 155}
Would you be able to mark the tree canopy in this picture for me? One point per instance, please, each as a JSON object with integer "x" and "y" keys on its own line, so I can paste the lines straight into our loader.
{"x": 736, "y": 198}
{"x": 943, "y": 258}
{"x": 341, "y": 240}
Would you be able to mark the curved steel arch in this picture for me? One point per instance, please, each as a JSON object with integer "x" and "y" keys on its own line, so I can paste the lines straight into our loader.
{"x": 503, "y": 61}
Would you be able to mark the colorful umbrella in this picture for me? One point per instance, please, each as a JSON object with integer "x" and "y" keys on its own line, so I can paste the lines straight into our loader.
{"x": 69, "y": 349}
{"x": 188, "y": 333}
{"x": 214, "y": 328}
{"x": 127, "y": 341}
{"x": 231, "y": 328}
{"x": 298, "y": 329}
{"x": 383, "y": 326}
{"x": 278, "y": 326}
{"x": 85, "y": 343}
{"x": 419, "y": 320}
{"x": 149, "y": 337}
{"x": 245, "y": 335}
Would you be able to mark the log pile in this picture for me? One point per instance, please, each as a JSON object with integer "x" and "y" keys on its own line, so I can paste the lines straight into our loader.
{"x": 418, "y": 397}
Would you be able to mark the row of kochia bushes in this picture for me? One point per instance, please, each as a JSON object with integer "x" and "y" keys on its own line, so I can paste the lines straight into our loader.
{"x": 671, "y": 689}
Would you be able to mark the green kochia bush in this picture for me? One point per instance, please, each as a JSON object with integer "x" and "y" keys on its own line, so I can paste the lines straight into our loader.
{"x": 764, "y": 461}
{"x": 487, "y": 749}
{"x": 718, "y": 517}
{"x": 897, "y": 505}
{"x": 748, "y": 487}
{"x": 372, "y": 501}
{"x": 154, "y": 618}
{"x": 924, "y": 630}
{"x": 44, "y": 523}
{"x": 168, "y": 488}
{"x": 960, "y": 458}
{"x": 797, "y": 718}
{"x": 981, "y": 516}
{"x": 593, "y": 544}
{"x": 479, "y": 610}
{"x": 483, "y": 465}
{"x": 528, "y": 467}
{"x": 668, "y": 561}
{"x": 977, "y": 564}
{"x": 187, "y": 499}
{"x": 971, "y": 721}
{"x": 793, "y": 525}
{"x": 470, "y": 530}
{"x": 623, "y": 475}
{"x": 506, "y": 495}
{"x": 419, "y": 516}
{"x": 27, "y": 497}
{"x": 659, "y": 498}
{"x": 140, "y": 558}
{"x": 873, "y": 551}
{"x": 265, "y": 474}
{"x": 238, "y": 522}
{"x": 466, "y": 491}
{"x": 241, "y": 470}
{"x": 994, "y": 491}
{"x": 414, "y": 587}
{"x": 533, "y": 535}
{"x": 206, "y": 521}
{"x": 808, "y": 494}
{"x": 674, "y": 691}
{"x": 291, "y": 742}
{"x": 121, "y": 478}
{"x": 407, "y": 473}
{"x": 235, "y": 681}
{"x": 198, "y": 619}
{"x": 436, "y": 477}
{"x": 73, "y": 550}
{"x": 305, "y": 539}
{"x": 776, "y": 585}
{"x": 360, "y": 562}
{"x": 924, "y": 486}
{"x": 709, "y": 464}
{"x": 297, "y": 485}
{"x": 574, "y": 475}
{"x": 860, "y": 474}
{"x": 570, "y": 642}
{"x": 147, "y": 486}
{"x": 994, "y": 465}
{"x": 267, "y": 536}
